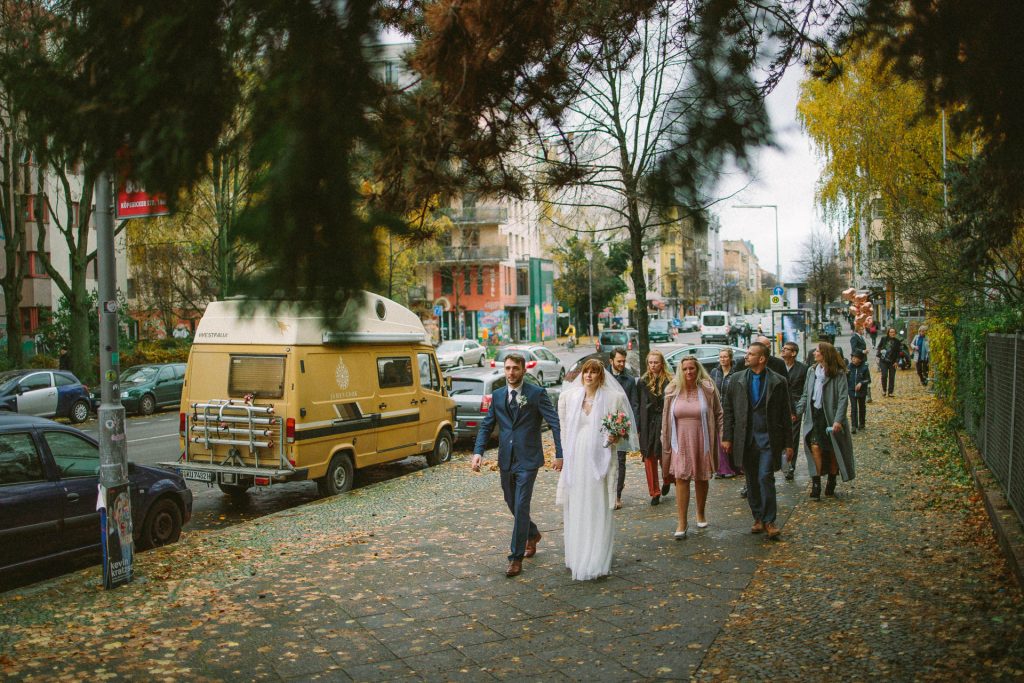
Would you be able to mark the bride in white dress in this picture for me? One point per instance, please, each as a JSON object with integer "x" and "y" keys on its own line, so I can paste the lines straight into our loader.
{"x": 586, "y": 487}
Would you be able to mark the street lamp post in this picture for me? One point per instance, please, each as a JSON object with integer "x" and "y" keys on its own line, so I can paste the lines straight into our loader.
{"x": 775, "y": 208}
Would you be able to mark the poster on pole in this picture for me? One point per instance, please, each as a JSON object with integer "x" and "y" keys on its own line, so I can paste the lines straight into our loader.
{"x": 116, "y": 529}
{"x": 135, "y": 202}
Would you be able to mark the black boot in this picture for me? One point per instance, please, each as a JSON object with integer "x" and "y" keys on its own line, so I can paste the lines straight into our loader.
{"x": 816, "y": 488}
{"x": 830, "y": 485}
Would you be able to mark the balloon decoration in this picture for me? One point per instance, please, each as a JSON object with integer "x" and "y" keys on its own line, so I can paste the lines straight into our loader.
{"x": 860, "y": 308}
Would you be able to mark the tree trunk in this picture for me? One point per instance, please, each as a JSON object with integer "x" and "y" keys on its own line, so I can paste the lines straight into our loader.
{"x": 80, "y": 305}
{"x": 639, "y": 277}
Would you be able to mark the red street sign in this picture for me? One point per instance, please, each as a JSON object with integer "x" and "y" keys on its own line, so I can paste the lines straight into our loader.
{"x": 139, "y": 204}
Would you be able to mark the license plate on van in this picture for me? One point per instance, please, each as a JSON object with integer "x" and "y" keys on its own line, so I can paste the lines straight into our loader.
{"x": 197, "y": 475}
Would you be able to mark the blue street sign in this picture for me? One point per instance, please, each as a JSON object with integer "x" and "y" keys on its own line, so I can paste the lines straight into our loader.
{"x": 438, "y": 310}
{"x": 778, "y": 291}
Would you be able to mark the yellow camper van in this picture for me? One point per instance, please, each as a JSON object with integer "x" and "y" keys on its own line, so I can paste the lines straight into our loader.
{"x": 273, "y": 395}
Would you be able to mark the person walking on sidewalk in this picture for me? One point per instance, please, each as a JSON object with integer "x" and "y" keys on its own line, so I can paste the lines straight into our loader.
{"x": 518, "y": 408}
{"x": 628, "y": 383}
{"x": 720, "y": 375}
{"x": 586, "y": 485}
{"x": 826, "y": 434}
{"x": 796, "y": 374}
{"x": 924, "y": 354}
{"x": 757, "y": 432}
{"x": 691, "y": 430}
{"x": 858, "y": 380}
{"x": 873, "y": 331}
{"x": 857, "y": 342}
{"x": 652, "y": 402}
{"x": 888, "y": 355}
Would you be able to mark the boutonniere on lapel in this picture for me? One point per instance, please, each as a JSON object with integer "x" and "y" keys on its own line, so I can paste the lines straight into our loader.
{"x": 521, "y": 400}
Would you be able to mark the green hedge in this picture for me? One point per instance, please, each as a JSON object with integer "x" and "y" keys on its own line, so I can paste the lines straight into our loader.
{"x": 968, "y": 364}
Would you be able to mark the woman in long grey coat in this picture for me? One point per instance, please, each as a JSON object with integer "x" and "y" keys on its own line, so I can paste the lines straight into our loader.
{"x": 826, "y": 434}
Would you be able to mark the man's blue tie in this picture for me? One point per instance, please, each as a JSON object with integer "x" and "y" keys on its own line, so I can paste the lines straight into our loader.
{"x": 513, "y": 406}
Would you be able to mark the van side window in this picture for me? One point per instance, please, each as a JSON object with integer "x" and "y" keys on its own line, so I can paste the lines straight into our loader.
{"x": 394, "y": 372}
{"x": 428, "y": 372}
{"x": 261, "y": 376}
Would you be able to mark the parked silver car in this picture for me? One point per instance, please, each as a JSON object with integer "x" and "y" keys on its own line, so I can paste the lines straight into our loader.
{"x": 540, "y": 362}
{"x": 471, "y": 390}
{"x": 456, "y": 352}
{"x": 707, "y": 355}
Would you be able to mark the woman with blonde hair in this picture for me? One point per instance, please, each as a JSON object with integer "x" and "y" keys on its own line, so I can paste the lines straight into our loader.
{"x": 691, "y": 431}
{"x": 827, "y": 434}
{"x": 652, "y": 402}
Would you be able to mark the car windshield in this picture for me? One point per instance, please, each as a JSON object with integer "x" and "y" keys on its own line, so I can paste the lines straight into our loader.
{"x": 467, "y": 386}
{"x": 714, "y": 320}
{"x": 613, "y": 337}
{"x": 691, "y": 318}
{"x": 139, "y": 375}
{"x": 449, "y": 347}
{"x": 659, "y": 325}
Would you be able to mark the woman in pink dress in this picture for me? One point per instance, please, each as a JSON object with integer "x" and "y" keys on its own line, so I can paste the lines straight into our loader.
{"x": 691, "y": 431}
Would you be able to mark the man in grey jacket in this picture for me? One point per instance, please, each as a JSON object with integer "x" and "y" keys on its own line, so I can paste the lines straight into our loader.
{"x": 617, "y": 362}
{"x": 757, "y": 432}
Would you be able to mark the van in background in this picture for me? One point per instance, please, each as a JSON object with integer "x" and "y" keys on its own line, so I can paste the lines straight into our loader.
{"x": 714, "y": 327}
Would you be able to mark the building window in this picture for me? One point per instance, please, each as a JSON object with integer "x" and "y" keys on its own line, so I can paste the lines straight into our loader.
{"x": 389, "y": 72}
{"x": 29, "y": 319}
{"x": 480, "y": 280}
{"x": 467, "y": 283}
{"x": 522, "y": 282}
{"x": 672, "y": 263}
{"x": 447, "y": 282}
{"x": 35, "y": 265}
{"x": 652, "y": 278}
{"x": 131, "y": 294}
{"x": 675, "y": 289}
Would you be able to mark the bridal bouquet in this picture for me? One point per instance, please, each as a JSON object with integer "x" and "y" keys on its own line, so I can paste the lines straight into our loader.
{"x": 616, "y": 426}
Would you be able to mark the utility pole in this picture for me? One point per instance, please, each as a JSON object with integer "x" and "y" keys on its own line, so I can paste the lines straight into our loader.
{"x": 114, "y": 487}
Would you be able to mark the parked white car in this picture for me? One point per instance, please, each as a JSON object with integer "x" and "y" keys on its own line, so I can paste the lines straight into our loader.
{"x": 456, "y": 352}
{"x": 541, "y": 363}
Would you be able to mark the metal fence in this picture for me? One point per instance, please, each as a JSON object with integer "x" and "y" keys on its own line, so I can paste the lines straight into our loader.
{"x": 1001, "y": 433}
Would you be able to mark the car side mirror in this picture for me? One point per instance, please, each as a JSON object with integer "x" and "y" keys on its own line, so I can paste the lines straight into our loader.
{"x": 448, "y": 384}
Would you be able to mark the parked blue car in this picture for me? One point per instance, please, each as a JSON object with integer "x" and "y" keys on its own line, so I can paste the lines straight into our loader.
{"x": 49, "y": 473}
{"x": 44, "y": 393}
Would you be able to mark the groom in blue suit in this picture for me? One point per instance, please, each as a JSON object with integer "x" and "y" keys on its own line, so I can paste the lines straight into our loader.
{"x": 518, "y": 408}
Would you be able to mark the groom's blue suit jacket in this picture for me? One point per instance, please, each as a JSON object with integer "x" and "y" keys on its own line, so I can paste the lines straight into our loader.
{"x": 519, "y": 445}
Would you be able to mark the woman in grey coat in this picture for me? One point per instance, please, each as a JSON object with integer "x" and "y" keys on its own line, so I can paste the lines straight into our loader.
{"x": 826, "y": 434}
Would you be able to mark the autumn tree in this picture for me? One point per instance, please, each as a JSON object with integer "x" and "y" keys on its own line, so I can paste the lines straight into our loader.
{"x": 585, "y": 269}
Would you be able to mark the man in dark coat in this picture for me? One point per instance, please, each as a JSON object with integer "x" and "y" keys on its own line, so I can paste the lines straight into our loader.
{"x": 796, "y": 374}
{"x": 857, "y": 342}
{"x": 617, "y": 361}
{"x": 757, "y": 432}
{"x": 775, "y": 364}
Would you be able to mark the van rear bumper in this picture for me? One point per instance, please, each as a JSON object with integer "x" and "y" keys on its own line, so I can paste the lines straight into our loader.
{"x": 234, "y": 476}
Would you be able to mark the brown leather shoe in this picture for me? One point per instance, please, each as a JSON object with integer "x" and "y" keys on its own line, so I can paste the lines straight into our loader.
{"x": 772, "y": 531}
{"x": 515, "y": 568}
{"x": 757, "y": 528}
{"x": 531, "y": 545}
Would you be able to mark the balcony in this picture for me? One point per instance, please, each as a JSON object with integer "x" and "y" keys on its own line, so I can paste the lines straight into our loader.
{"x": 418, "y": 293}
{"x": 489, "y": 254}
{"x": 488, "y": 215}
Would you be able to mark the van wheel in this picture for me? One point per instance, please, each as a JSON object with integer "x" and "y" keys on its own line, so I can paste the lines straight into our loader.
{"x": 442, "y": 449}
{"x": 340, "y": 474}
{"x": 162, "y": 525}
{"x": 79, "y": 412}
{"x": 147, "y": 405}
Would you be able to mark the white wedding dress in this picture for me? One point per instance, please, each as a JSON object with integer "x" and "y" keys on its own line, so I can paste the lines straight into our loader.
{"x": 586, "y": 495}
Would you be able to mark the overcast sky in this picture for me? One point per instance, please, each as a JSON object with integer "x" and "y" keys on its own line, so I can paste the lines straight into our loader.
{"x": 785, "y": 177}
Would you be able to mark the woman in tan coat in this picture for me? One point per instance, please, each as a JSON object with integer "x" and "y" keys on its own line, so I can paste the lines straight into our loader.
{"x": 691, "y": 431}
